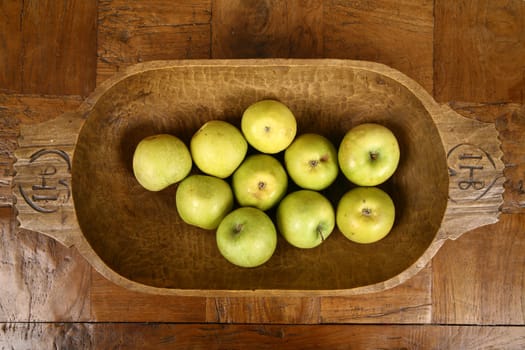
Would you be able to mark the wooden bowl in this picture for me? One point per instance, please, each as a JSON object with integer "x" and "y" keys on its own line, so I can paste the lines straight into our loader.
{"x": 75, "y": 182}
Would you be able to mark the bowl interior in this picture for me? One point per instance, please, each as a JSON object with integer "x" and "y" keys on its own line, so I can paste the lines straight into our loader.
{"x": 138, "y": 233}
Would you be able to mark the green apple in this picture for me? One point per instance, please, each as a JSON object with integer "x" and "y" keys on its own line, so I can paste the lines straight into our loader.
{"x": 260, "y": 182}
{"x": 203, "y": 200}
{"x": 305, "y": 218}
{"x": 269, "y": 126}
{"x": 247, "y": 237}
{"x": 311, "y": 161}
{"x": 365, "y": 214}
{"x": 160, "y": 161}
{"x": 368, "y": 154}
{"x": 218, "y": 148}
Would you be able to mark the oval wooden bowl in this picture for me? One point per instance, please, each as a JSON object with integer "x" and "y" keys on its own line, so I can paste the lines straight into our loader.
{"x": 75, "y": 182}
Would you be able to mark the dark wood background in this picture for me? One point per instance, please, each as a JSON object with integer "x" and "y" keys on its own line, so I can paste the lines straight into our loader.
{"x": 468, "y": 53}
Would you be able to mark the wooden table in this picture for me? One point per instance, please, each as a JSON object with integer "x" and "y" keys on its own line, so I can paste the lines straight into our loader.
{"x": 468, "y": 53}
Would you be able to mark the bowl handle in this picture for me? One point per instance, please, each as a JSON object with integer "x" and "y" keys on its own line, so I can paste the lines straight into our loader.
{"x": 42, "y": 183}
{"x": 475, "y": 166}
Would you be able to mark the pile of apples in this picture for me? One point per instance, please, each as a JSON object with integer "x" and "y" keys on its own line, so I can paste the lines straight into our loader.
{"x": 234, "y": 190}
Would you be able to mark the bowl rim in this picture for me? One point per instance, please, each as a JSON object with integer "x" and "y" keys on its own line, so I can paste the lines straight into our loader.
{"x": 427, "y": 101}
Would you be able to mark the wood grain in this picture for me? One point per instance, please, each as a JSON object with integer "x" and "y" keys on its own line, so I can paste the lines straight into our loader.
{"x": 480, "y": 50}
{"x": 43, "y": 187}
{"x": 476, "y": 53}
{"x": 410, "y": 302}
{"x": 10, "y": 46}
{"x": 185, "y": 336}
{"x": 472, "y": 51}
{"x": 276, "y": 310}
{"x": 131, "y": 32}
{"x": 23, "y": 109}
{"x": 479, "y": 279}
{"x": 250, "y": 29}
{"x": 209, "y": 336}
{"x": 46, "y": 336}
{"x": 510, "y": 122}
{"x": 112, "y": 303}
{"x": 397, "y": 33}
{"x": 42, "y": 53}
{"x": 8, "y": 134}
{"x": 41, "y": 280}
{"x": 475, "y": 168}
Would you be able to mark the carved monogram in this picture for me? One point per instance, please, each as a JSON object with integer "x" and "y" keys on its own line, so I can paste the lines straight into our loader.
{"x": 51, "y": 188}
{"x": 471, "y": 169}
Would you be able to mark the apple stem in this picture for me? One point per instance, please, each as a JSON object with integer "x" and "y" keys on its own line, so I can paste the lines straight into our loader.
{"x": 320, "y": 232}
{"x": 261, "y": 185}
{"x": 313, "y": 163}
{"x": 238, "y": 228}
{"x": 366, "y": 211}
{"x": 373, "y": 155}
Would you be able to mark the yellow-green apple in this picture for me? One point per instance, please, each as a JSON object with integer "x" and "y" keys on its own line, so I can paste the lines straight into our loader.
{"x": 260, "y": 182}
{"x": 305, "y": 218}
{"x": 247, "y": 237}
{"x": 311, "y": 161}
{"x": 365, "y": 214}
{"x": 203, "y": 200}
{"x": 218, "y": 148}
{"x": 269, "y": 126}
{"x": 160, "y": 161}
{"x": 368, "y": 154}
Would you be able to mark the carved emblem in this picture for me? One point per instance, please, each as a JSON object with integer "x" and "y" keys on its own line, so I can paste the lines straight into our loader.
{"x": 472, "y": 170}
{"x": 51, "y": 187}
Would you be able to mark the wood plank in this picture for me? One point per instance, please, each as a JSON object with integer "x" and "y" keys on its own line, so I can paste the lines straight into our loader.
{"x": 10, "y": 46}
{"x": 249, "y": 29}
{"x": 410, "y": 302}
{"x": 151, "y": 13}
{"x": 212, "y": 336}
{"x": 132, "y": 32}
{"x": 396, "y": 33}
{"x": 276, "y": 310}
{"x": 48, "y": 54}
{"x": 41, "y": 280}
{"x": 480, "y": 50}
{"x": 32, "y": 109}
{"x": 186, "y": 336}
{"x": 479, "y": 278}
{"x": 111, "y": 303}
{"x": 46, "y": 336}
